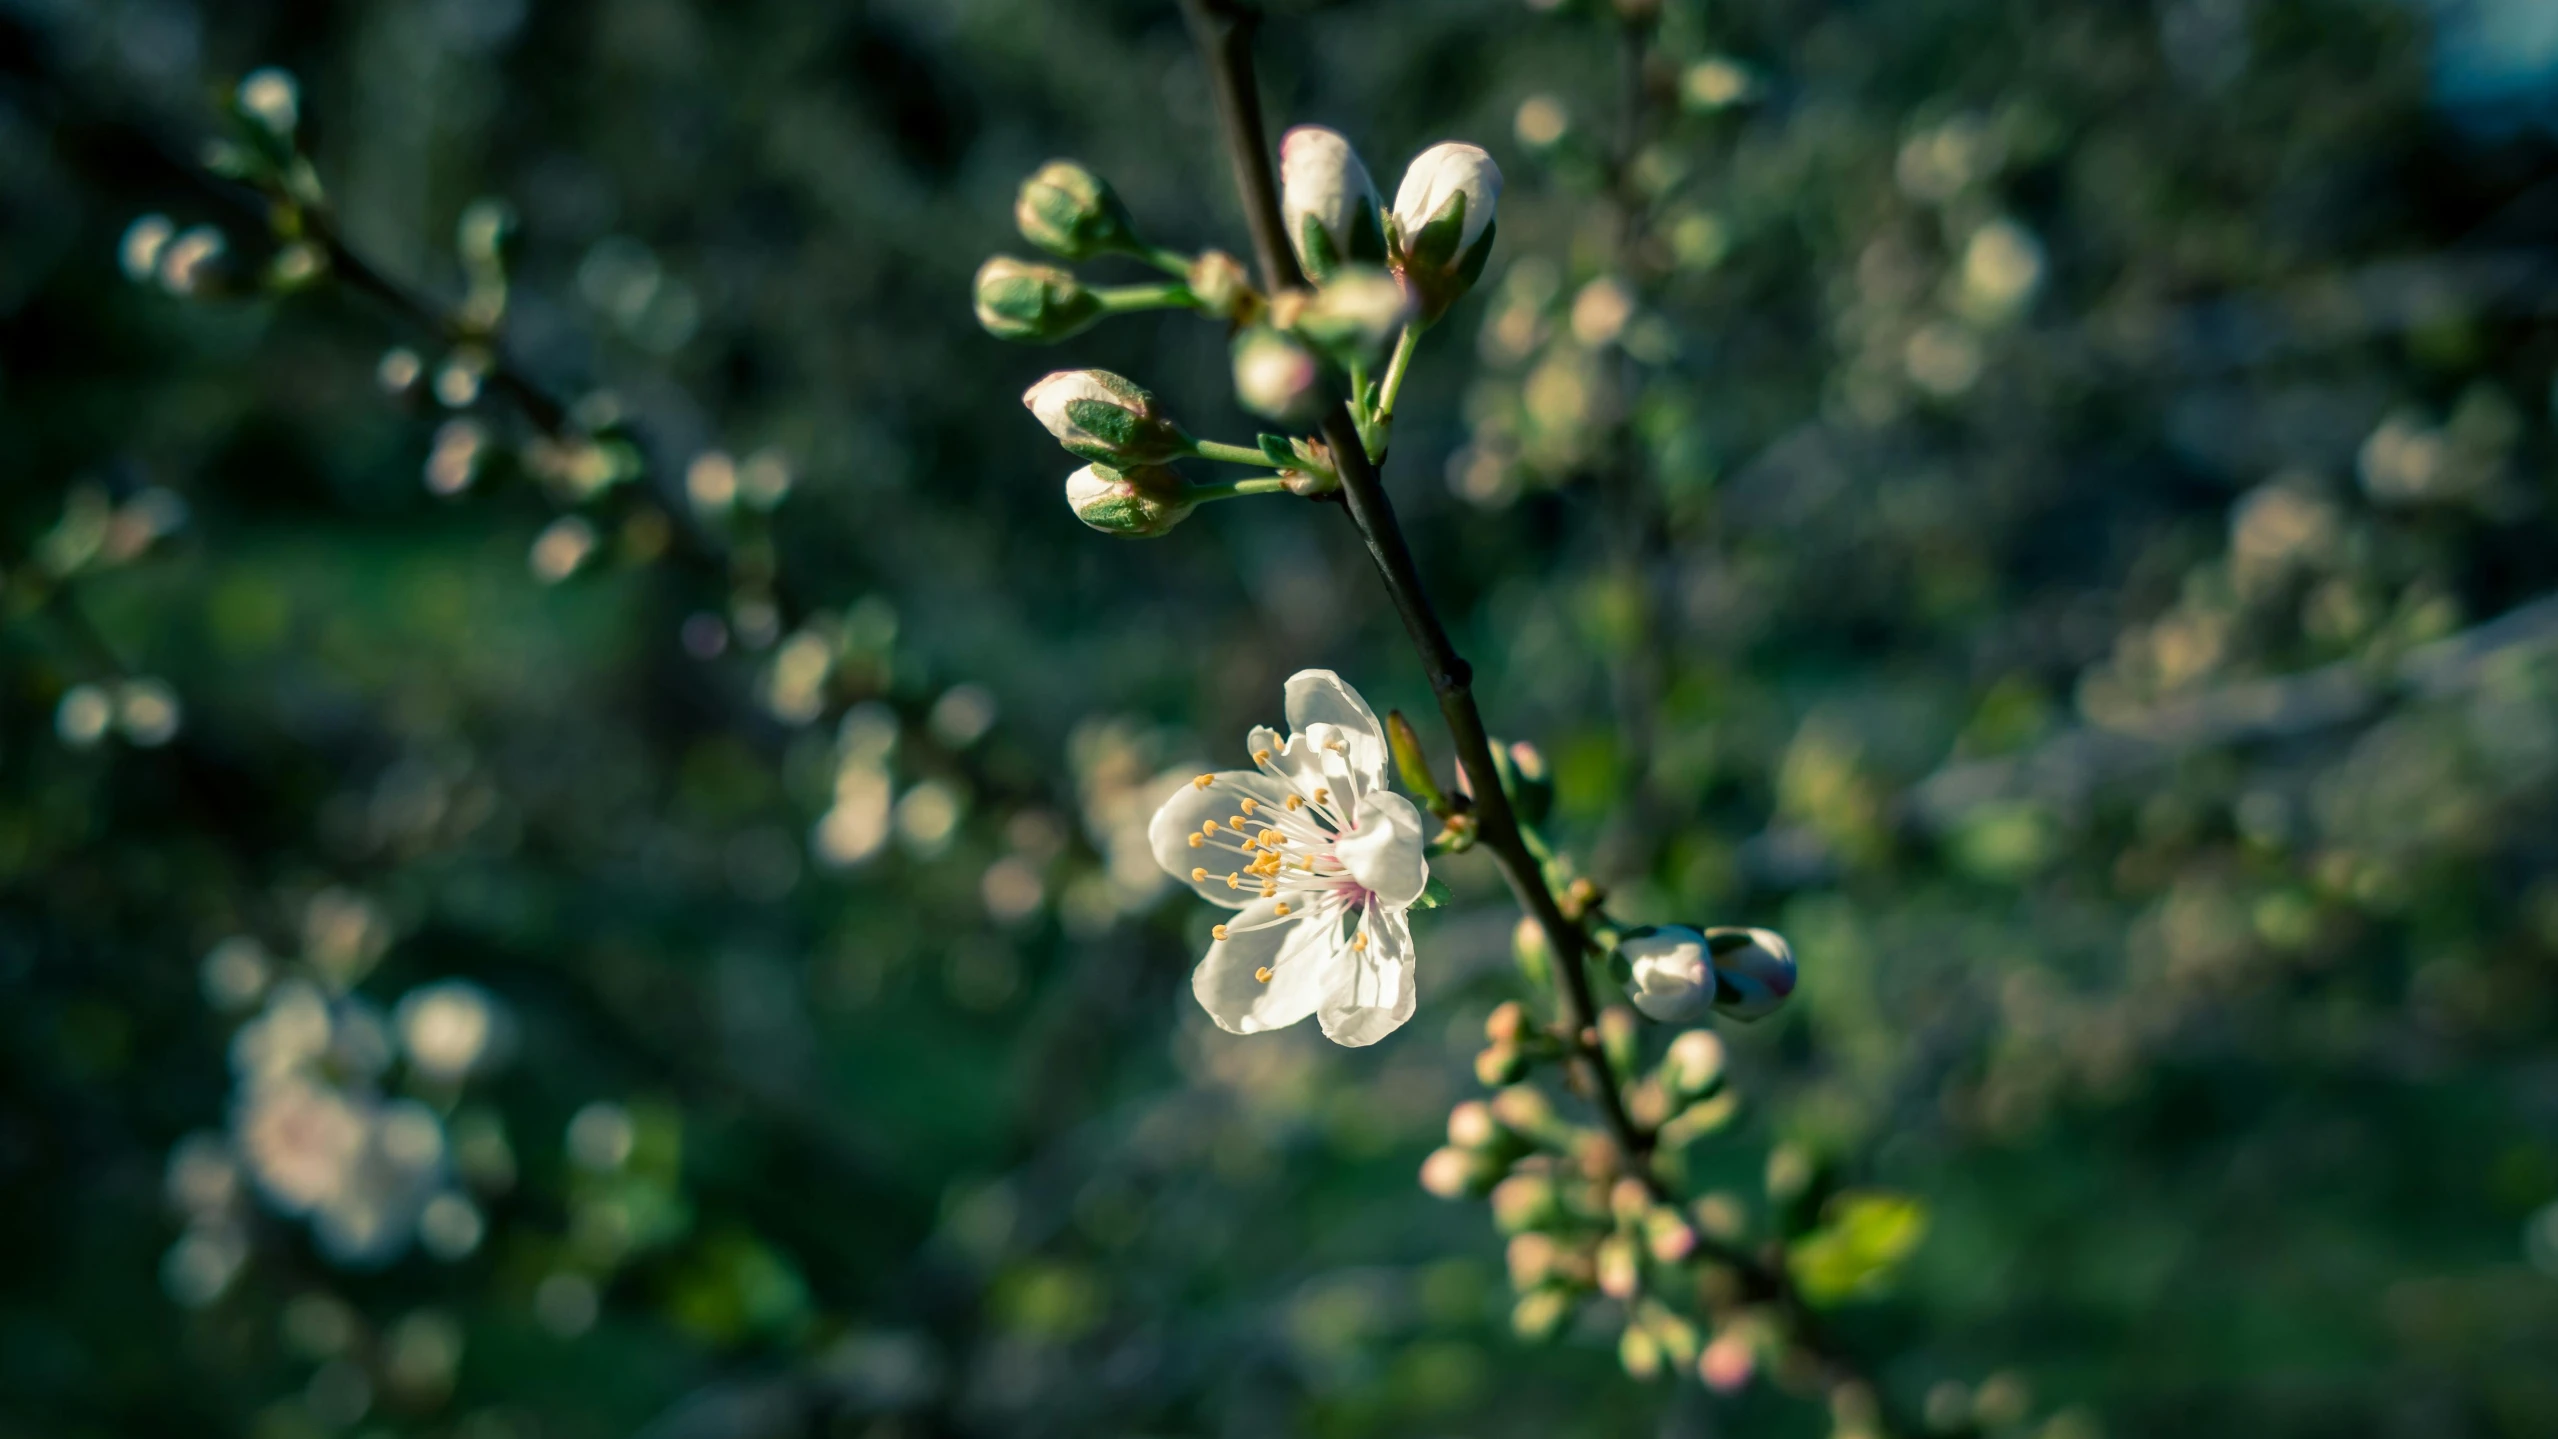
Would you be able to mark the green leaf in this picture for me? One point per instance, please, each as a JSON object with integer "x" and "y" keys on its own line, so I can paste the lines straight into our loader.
{"x": 1864, "y": 1236}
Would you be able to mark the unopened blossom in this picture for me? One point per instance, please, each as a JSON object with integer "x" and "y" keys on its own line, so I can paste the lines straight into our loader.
{"x": 1105, "y": 417}
{"x": 1442, "y": 226}
{"x": 1017, "y": 300}
{"x": 1672, "y": 971}
{"x": 1139, "y": 502}
{"x": 1329, "y": 203}
{"x": 1073, "y": 213}
{"x": 1753, "y": 970}
{"x": 1321, "y": 864}
{"x": 1277, "y": 375}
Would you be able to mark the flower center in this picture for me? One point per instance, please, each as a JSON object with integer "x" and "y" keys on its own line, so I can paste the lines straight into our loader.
{"x": 1289, "y": 857}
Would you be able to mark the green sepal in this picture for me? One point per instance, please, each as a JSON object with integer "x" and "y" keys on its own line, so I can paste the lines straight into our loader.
{"x": 1436, "y": 244}
{"x": 1276, "y": 449}
{"x": 1316, "y": 249}
{"x": 1367, "y": 236}
{"x": 1115, "y": 424}
{"x": 1470, "y": 268}
{"x": 1434, "y": 894}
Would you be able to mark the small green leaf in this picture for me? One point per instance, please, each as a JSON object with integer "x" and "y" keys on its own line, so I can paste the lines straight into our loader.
{"x": 1276, "y": 449}
{"x": 1863, "y": 1238}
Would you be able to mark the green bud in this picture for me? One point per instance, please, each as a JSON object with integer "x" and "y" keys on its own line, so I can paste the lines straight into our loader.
{"x": 1535, "y": 956}
{"x": 1139, "y": 502}
{"x": 1619, "y": 1038}
{"x": 1540, "y": 1314}
{"x": 1413, "y": 763}
{"x": 1694, "y": 1066}
{"x": 1500, "y": 1064}
{"x": 1353, "y": 317}
{"x": 1072, "y": 213}
{"x": 1525, "y": 1201}
{"x": 1223, "y": 288}
{"x": 1454, "y": 1173}
{"x": 1038, "y": 304}
{"x": 1277, "y": 376}
{"x": 1530, "y": 781}
{"x": 1105, "y": 418}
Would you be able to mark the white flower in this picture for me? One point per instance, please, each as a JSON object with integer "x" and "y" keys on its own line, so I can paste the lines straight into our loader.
{"x": 1673, "y": 974}
{"x": 1754, "y": 970}
{"x": 1103, "y": 417}
{"x": 450, "y": 1028}
{"x": 1447, "y": 182}
{"x": 1328, "y": 201}
{"x": 1321, "y": 860}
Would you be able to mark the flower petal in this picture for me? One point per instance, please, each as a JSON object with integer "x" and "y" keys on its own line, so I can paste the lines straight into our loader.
{"x": 1376, "y": 995}
{"x": 1300, "y": 953}
{"x": 1319, "y": 697}
{"x": 1193, "y": 806}
{"x": 1384, "y": 853}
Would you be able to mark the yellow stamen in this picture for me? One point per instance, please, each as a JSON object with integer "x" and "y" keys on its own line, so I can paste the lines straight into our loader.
{"x": 1250, "y": 804}
{"x": 1262, "y": 974}
{"x": 1236, "y": 824}
{"x": 1261, "y": 756}
{"x": 1195, "y": 841}
{"x": 1220, "y": 933}
{"x": 1268, "y": 889}
{"x": 1234, "y": 882}
{"x": 1295, "y": 804}
{"x": 1197, "y": 875}
{"x": 1281, "y": 909}
{"x": 1209, "y": 828}
{"x": 1323, "y": 796}
{"x": 1204, "y": 781}
{"x": 1359, "y": 941}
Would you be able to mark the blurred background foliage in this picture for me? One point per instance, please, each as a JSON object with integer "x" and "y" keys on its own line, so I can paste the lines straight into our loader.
{"x": 2048, "y": 505}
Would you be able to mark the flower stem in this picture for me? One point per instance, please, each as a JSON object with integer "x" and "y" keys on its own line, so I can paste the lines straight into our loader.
{"x": 1404, "y": 345}
{"x": 1229, "y": 454}
{"x": 1232, "y": 489}
{"x": 1171, "y": 262}
{"x": 1127, "y": 299}
{"x": 1223, "y": 32}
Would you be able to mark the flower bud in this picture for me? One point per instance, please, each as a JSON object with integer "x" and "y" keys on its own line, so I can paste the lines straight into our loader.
{"x": 1137, "y": 503}
{"x": 1676, "y": 1336}
{"x": 1219, "y": 282}
{"x": 1441, "y": 230}
{"x": 1667, "y": 1236}
{"x": 1670, "y": 977}
{"x": 1619, "y": 1039}
{"x": 1453, "y": 1173}
{"x": 1072, "y": 213}
{"x": 1525, "y": 1201}
{"x": 1471, "y": 1126}
{"x": 1353, "y": 318}
{"x": 1528, "y": 946}
{"x": 1329, "y": 203}
{"x": 1531, "y": 1258}
{"x": 1728, "y": 1362}
{"x": 1312, "y": 471}
{"x": 1694, "y": 1065}
{"x": 1508, "y": 1020}
{"x": 1753, "y": 971}
{"x": 1538, "y": 1315}
{"x": 1277, "y": 376}
{"x": 1628, "y": 1200}
{"x": 1017, "y": 300}
{"x": 1500, "y": 1064}
{"x": 1619, "y": 1271}
{"x": 1639, "y": 1352}
{"x": 1101, "y": 416}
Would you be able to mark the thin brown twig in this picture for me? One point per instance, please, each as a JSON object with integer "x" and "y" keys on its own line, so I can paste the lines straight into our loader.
{"x": 1223, "y": 30}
